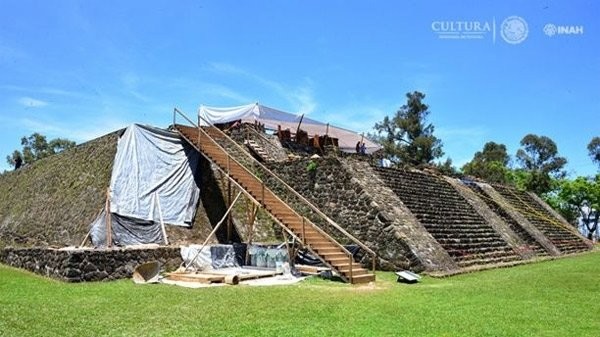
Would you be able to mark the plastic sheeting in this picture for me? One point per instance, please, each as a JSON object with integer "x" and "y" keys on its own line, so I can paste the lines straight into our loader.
{"x": 125, "y": 231}
{"x": 273, "y": 118}
{"x": 202, "y": 259}
{"x": 153, "y": 166}
{"x": 211, "y": 256}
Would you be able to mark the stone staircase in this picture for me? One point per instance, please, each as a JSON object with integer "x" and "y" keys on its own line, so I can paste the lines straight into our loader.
{"x": 531, "y": 242}
{"x": 266, "y": 148}
{"x": 558, "y": 233}
{"x": 244, "y": 170}
{"x": 449, "y": 218}
{"x": 258, "y": 150}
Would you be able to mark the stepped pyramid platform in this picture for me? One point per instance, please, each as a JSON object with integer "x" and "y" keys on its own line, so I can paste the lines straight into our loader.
{"x": 409, "y": 219}
{"x": 557, "y": 230}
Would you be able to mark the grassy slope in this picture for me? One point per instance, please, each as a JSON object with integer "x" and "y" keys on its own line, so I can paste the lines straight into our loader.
{"x": 555, "y": 298}
{"x": 53, "y": 200}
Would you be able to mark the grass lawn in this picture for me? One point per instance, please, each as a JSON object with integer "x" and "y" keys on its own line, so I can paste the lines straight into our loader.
{"x": 553, "y": 298}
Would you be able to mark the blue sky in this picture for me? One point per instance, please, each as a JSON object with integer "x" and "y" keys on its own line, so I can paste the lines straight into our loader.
{"x": 80, "y": 69}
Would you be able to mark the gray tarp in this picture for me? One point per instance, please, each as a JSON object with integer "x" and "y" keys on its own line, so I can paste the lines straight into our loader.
{"x": 152, "y": 166}
{"x": 125, "y": 231}
{"x": 152, "y": 162}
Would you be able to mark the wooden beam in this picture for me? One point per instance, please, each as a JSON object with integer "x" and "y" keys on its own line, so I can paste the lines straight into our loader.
{"x": 108, "y": 220}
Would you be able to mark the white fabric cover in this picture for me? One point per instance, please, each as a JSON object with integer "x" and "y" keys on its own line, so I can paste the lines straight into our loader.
{"x": 273, "y": 118}
{"x": 151, "y": 163}
{"x": 224, "y": 115}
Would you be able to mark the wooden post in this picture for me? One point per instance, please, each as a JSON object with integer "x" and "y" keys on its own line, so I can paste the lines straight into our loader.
{"x": 108, "y": 220}
{"x": 298, "y": 128}
{"x": 303, "y": 231}
{"x": 251, "y": 211}
{"x": 85, "y": 238}
{"x": 229, "y": 222}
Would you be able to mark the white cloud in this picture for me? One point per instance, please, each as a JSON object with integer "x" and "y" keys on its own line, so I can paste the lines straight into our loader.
{"x": 301, "y": 96}
{"x": 130, "y": 80}
{"x": 44, "y": 91}
{"x": 29, "y": 102}
{"x": 303, "y": 99}
{"x": 211, "y": 89}
{"x": 79, "y": 133}
{"x": 359, "y": 117}
{"x": 221, "y": 67}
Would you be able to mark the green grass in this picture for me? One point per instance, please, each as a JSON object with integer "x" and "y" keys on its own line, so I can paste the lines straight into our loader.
{"x": 553, "y": 298}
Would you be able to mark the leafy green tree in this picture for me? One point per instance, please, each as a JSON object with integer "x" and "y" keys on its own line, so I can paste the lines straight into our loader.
{"x": 518, "y": 178}
{"x": 36, "y": 147}
{"x": 490, "y": 164}
{"x": 406, "y": 137}
{"x": 594, "y": 150}
{"x": 539, "y": 157}
{"x": 446, "y": 168}
{"x": 579, "y": 198}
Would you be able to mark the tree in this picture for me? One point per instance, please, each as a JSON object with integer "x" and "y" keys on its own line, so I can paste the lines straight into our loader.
{"x": 36, "y": 147}
{"x": 446, "y": 168}
{"x": 579, "y": 198}
{"x": 539, "y": 157}
{"x": 406, "y": 137}
{"x": 490, "y": 164}
{"x": 594, "y": 150}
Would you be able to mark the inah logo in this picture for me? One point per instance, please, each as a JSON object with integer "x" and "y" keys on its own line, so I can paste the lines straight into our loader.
{"x": 514, "y": 29}
{"x": 552, "y": 29}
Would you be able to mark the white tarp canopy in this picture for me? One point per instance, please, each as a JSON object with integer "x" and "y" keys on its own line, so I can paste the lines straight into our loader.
{"x": 273, "y": 118}
{"x": 152, "y": 165}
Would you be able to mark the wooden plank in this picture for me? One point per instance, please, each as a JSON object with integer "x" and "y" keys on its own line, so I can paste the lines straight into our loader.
{"x": 200, "y": 278}
{"x": 311, "y": 270}
{"x": 247, "y": 273}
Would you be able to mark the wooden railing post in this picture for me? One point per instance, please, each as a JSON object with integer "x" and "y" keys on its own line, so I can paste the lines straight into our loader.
{"x": 303, "y": 231}
{"x": 351, "y": 262}
{"x": 373, "y": 257}
{"x": 228, "y": 167}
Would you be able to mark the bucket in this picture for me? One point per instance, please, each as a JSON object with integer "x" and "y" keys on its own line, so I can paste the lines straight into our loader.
{"x": 146, "y": 272}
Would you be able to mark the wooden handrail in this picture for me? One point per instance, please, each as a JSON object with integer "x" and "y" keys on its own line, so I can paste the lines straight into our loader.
{"x": 287, "y": 187}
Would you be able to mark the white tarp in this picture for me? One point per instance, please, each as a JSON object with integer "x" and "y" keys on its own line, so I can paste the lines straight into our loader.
{"x": 151, "y": 166}
{"x": 273, "y": 118}
{"x": 213, "y": 115}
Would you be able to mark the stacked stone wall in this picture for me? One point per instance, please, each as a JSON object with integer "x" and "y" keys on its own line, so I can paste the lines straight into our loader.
{"x": 82, "y": 265}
